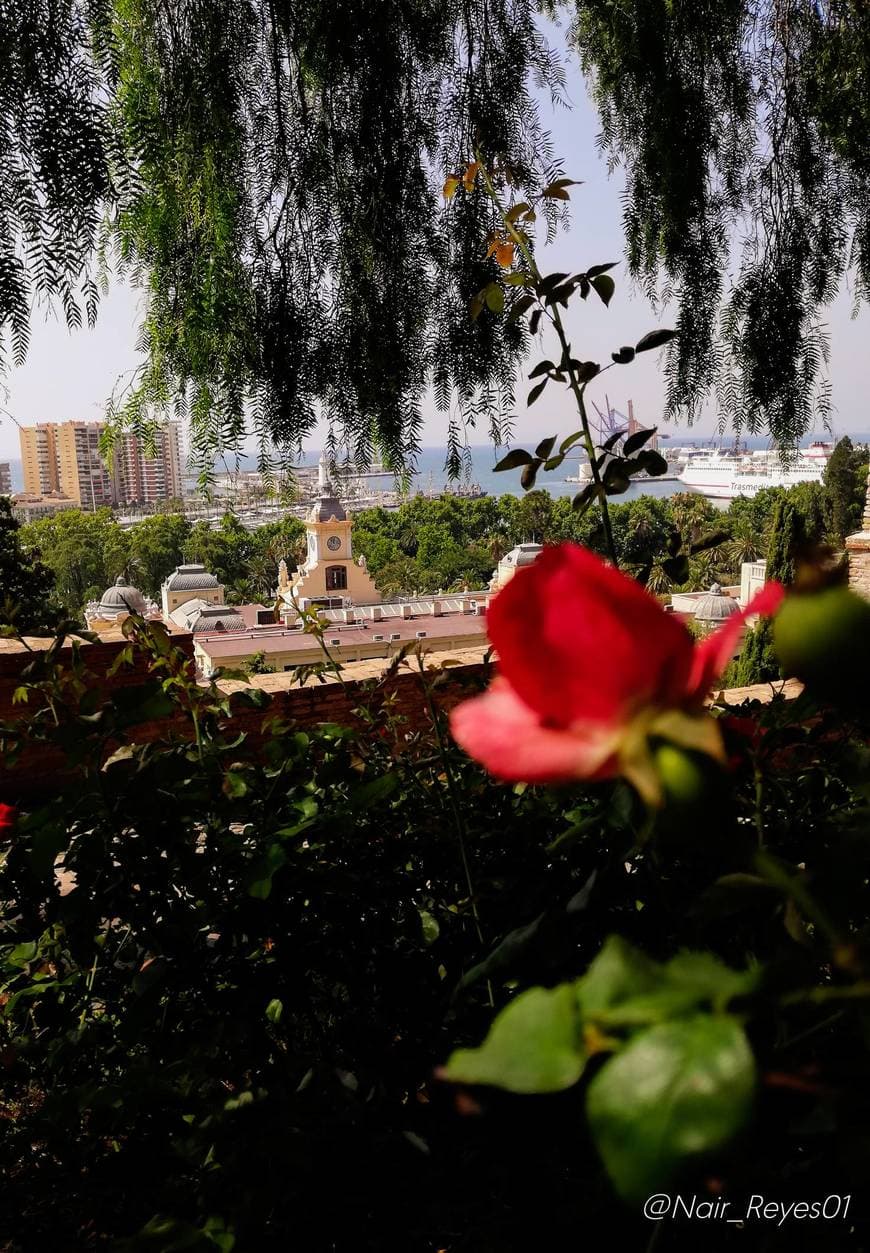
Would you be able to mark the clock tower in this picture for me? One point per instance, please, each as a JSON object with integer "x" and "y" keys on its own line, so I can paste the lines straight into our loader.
{"x": 330, "y": 571}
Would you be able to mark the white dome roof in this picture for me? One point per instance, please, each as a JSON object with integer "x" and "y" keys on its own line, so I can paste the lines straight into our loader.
{"x": 715, "y": 606}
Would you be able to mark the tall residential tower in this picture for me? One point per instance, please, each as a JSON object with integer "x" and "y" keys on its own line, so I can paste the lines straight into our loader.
{"x": 65, "y": 457}
{"x": 144, "y": 480}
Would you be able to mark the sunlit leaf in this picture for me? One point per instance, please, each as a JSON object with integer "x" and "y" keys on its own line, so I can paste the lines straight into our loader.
{"x": 675, "y": 1092}
{"x": 534, "y": 1045}
{"x": 517, "y": 211}
{"x": 494, "y": 298}
{"x": 470, "y": 175}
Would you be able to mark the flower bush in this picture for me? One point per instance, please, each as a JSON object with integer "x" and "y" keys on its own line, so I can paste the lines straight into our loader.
{"x": 339, "y": 989}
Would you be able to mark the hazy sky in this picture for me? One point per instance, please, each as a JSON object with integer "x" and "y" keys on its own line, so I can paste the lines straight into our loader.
{"x": 70, "y": 375}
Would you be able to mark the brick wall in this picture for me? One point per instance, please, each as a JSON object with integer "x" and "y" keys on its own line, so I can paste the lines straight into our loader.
{"x": 43, "y": 771}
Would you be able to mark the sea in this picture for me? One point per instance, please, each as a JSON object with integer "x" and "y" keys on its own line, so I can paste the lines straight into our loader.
{"x": 480, "y": 460}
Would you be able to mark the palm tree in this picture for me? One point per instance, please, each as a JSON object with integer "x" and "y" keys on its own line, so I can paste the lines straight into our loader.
{"x": 692, "y": 514}
{"x": 658, "y": 581}
{"x": 262, "y": 576}
{"x": 745, "y": 544}
{"x": 497, "y": 545}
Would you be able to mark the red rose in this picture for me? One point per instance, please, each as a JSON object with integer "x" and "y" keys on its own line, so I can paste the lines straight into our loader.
{"x": 590, "y": 668}
{"x": 7, "y": 820}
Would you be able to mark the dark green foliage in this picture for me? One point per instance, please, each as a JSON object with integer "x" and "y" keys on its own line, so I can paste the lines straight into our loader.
{"x": 427, "y": 545}
{"x": 227, "y": 1026}
{"x": 259, "y": 665}
{"x": 156, "y": 547}
{"x": 754, "y": 117}
{"x": 846, "y": 485}
{"x": 788, "y": 538}
{"x": 26, "y": 585}
{"x": 285, "y": 208}
{"x": 54, "y": 165}
{"x": 757, "y": 662}
{"x": 86, "y": 552}
{"x": 271, "y": 174}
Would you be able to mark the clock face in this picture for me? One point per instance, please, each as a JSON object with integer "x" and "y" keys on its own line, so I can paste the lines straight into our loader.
{"x": 333, "y": 543}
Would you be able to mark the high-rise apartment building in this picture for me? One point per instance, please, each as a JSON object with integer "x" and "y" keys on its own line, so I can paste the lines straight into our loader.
{"x": 5, "y": 479}
{"x": 65, "y": 457}
{"x": 144, "y": 480}
{"x": 39, "y": 461}
{"x": 83, "y": 473}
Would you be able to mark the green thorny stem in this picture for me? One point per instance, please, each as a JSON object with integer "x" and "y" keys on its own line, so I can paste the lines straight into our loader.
{"x": 456, "y": 808}
{"x": 578, "y": 388}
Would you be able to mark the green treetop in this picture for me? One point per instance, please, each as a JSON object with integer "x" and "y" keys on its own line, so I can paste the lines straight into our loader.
{"x": 846, "y": 484}
{"x": 26, "y": 584}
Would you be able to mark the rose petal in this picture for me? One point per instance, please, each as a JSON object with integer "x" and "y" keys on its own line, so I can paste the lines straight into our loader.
{"x": 501, "y": 732}
{"x": 581, "y": 642}
{"x": 713, "y": 654}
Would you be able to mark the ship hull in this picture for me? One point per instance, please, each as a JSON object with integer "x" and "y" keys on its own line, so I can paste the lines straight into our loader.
{"x": 722, "y": 485}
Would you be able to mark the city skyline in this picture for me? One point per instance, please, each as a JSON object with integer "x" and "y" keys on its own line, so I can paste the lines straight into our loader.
{"x": 61, "y": 464}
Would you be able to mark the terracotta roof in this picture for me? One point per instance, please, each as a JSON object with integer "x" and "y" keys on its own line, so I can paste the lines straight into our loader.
{"x": 248, "y": 613}
{"x": 269, "y": 640}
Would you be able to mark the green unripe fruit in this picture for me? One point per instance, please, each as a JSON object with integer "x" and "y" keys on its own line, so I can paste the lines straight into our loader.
{"x": 697, "y": 810}
{"x": 824, "y": 640}
{"x": 683, "y": 775}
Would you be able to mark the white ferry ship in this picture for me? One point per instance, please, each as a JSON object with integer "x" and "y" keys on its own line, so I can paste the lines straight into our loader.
{"x": 671, "y": 475}
{"x": 723, "y": 474}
